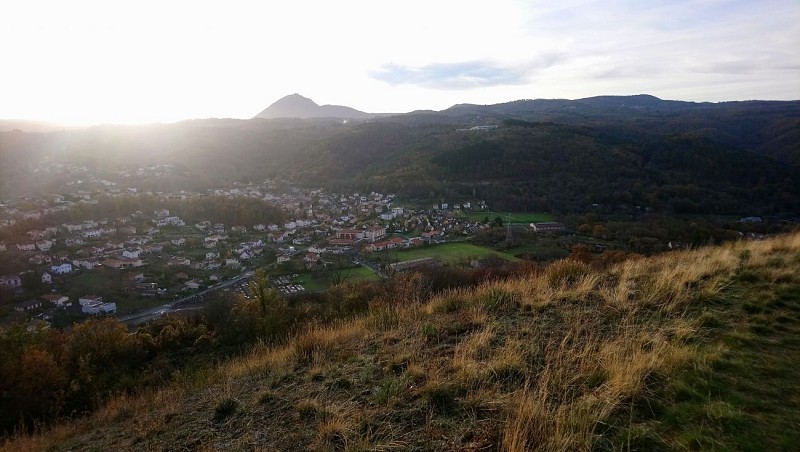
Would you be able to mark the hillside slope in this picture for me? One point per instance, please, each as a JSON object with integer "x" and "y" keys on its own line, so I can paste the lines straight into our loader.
{"x": 693, "y": 349}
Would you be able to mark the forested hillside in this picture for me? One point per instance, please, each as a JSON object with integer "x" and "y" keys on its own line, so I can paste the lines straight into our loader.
{"x": 615, "y": 152}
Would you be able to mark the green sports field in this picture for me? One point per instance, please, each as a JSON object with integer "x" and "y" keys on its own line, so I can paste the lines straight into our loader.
{"x": 450, "y": 253}
{"x": 516, "y": 217}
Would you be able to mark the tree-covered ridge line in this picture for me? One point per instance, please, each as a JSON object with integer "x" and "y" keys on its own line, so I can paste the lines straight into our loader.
{"x": 624, "y": 149}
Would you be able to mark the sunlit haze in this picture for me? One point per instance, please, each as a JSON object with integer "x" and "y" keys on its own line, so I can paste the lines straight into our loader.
{"x": 84, "y": 62}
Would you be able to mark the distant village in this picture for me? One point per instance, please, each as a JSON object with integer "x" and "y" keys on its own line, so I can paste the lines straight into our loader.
{"x": 146, "y": 257}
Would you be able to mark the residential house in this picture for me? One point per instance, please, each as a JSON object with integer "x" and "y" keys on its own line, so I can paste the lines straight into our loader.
{"x": 72, "y": 241}
{"x": 10, "y": 281}
{"x": 131, "y": 253}
{"x": 88, "y": 264}
{"x": 233, "y": 263}
{"x": 99, "y": 307}
{"x": 393, "y": 243}
{"x": 113, "y": 263}
{"x": 192, "y": 284}
{"x": 59, "y": 300}
{"x": 153, "y": 248}
{"x": 46, "y": 278}
{"x": 92, "y": 233}
{"x": 349, "y": 234}
{"x": 62, "y": 268}
{"x": 36, "y": 234}
{"x": 89, "y": 299}
{"x": 3, "y": 247}
{"x": 27, "y": 305}
{"x": 44, "y": 245}
{"x": 72, "y": 227}
{"x": 374, "y": 233}
{"x": 179, "y": 260}
{"x": 179, "y": 241}
{"x": 40, "y": 259}
{"x": 26, "y": 247}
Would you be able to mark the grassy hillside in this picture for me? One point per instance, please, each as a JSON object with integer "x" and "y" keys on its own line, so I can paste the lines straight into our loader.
{"x": 686, "y": 350}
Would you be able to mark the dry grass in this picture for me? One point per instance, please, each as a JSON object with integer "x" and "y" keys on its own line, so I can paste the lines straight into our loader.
{"x": 536, "y": 363}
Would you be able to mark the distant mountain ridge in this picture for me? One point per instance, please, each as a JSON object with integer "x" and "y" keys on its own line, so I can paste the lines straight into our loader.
{"x": 297, "y": 106}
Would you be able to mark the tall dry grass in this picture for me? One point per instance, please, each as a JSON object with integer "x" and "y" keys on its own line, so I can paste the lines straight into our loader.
{"x": 550, "y": 356}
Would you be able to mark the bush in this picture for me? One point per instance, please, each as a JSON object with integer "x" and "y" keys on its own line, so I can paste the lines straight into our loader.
{"x": 225, "y": 408}
{"x": 565, "y": 273}
{"x": 498, "y": 300}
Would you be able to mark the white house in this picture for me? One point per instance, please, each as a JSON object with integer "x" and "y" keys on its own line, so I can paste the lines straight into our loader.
{"x": 61, "y": 269}
{"x": 97, "y": 308}
{"x": 10, "y": 281}
{"x": 374, "y": 233}
{"x": 92, "y": 233}
{"x": 26, "y": 247}
{"x": 131, "y": 253}
{"x": 44, "y": 245}
{"x": 89, "y": 299}
{"x": 46, "y": 278}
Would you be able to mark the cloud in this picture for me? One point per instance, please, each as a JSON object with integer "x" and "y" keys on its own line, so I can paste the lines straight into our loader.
{"x": 464, "y": 75}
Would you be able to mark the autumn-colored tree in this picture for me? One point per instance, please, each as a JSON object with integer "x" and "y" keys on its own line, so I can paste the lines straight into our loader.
{"x": 40, "y": 384}
{"x": 580, "y": 253}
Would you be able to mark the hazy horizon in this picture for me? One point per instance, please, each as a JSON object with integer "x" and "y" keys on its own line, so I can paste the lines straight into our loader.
{"x": 91, "y": 62}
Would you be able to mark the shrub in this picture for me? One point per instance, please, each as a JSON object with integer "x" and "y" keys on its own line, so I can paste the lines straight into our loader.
{"x": 565, "y": 272}
{"x": 442, "y": 397}
{"x": 225, "y": 408}
{"x": 498, "y": 300}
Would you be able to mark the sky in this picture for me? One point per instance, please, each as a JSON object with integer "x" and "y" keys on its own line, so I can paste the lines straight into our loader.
{"x": 142, "y": 61}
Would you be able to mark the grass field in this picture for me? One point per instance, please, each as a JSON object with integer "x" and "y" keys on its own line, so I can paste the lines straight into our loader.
{"x": 450, "y": 253}
{"x": 314, "y": 283}
{"x": 359, "y": 274}
{"x": 516, "y": 217}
